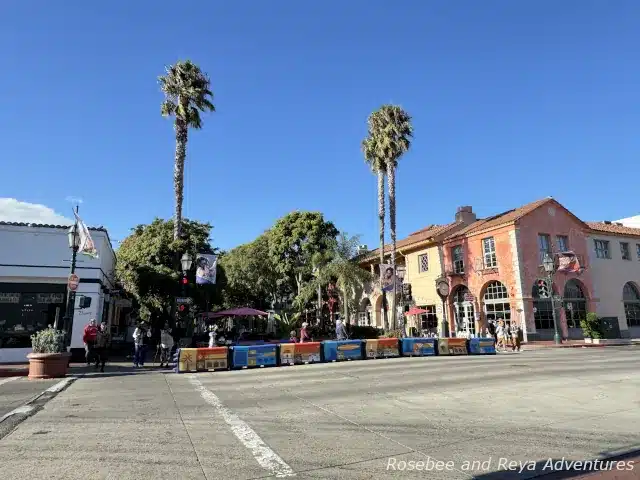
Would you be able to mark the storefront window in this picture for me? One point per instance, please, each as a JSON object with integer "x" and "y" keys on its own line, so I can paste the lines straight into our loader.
{"x": 24, "y": 313}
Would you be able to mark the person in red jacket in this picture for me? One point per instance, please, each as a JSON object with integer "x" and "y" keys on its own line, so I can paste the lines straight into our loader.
{"x": 89, "y": 338}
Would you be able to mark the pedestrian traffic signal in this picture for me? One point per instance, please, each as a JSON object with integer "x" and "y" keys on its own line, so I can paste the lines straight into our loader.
{"x": 543, "y": 289}
{"x": 184, "y": 281}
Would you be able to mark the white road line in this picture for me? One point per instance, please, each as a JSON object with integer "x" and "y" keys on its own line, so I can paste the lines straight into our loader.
{"x": 22, "y": 409}
{"x": 267, "y": 458}
{"x": 60, "y": 385}
{"x": 7, "y": 380}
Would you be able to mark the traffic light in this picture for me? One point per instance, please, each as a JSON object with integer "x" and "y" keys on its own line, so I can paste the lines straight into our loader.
{"x": 543, "y": 289}
{"x": 84, "y": 302}
{"x": 406, "y": 291}
{"x": 184, "y": 281}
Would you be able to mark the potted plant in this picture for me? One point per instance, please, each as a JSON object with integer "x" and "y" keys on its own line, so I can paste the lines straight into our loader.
{"x": 49, "y": 358}
{"x": 591, "y": 328}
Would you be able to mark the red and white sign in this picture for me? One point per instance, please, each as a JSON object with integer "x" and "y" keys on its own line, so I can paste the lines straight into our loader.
{"x": 73, "y": 282}
{"x": 468, "y": 297}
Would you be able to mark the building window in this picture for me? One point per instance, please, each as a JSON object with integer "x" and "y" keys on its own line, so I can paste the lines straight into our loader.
{"x": 423, "y": 263}
{"x": 496, "y": 302}
{"x": 542, "y": 311}
{"x": 544, "y": 246}
{"x": 458, "y": 259}
{"x": 602, "y": 249}
{"x": 429, "y": 320}
{"x": 631, "y": 299}
{"x": 563, "y": 243}
{"x": 624, "y": 251}
{"x": 489, "y": 250}
{"x": 638, "y": 250}
{"x": 574, "y": 303}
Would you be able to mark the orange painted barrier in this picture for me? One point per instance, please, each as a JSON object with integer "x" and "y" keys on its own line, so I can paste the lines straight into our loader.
{"x": 202, "y": 359}
{"x": 299, "y": 353}
{"x": 382, "y": 347}
{"x": 452, "y": 346}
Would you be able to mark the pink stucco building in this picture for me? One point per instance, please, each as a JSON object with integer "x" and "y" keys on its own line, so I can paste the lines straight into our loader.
{"x": 494, "y": 266}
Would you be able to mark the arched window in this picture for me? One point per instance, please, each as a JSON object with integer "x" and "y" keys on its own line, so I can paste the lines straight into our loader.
{"x": 496, "y": 302}
{"x": 631, "y": 299}
{"x": 574, "y": 303}
{"x": 463, "y": 311}
{"x": 542, "y": 311}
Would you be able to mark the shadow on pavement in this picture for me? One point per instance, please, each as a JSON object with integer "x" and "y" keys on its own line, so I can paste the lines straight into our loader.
{"x": 625, "y": 466}
{"x": 115, "y": 371}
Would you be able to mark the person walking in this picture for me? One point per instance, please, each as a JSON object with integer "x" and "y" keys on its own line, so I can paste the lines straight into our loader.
{"x": 103, "y": 343}
{"x": 89, "y": 338}
{"x": 140, "y": 341}
{"x": 515, "y": 336}
{"x": 341, "y": 332}
{"x": 304, "y": 333}
{"x": 166, "y": 344}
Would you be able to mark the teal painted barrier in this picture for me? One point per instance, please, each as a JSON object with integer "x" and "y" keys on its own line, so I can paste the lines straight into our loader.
{"x": 338, "y": 350}
{"x": 418, "y": 347}
{"x": 482, "y": 346}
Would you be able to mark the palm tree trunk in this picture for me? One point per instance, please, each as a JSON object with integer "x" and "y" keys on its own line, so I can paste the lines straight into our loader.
{"x": 178, "y": 174}
{"x": 391, "y": 179}
{"x": 381, "y": 215}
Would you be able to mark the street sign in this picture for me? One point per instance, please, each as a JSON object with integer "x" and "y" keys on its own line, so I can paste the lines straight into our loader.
{"x": 73, "y": 282}
{"x": 468, "y": 297}
{"x": 187, "y": 300}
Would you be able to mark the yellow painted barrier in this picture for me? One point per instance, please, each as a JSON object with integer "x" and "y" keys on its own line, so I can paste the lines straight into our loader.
{"x": 202, "y": 359}
{"x": 452, "y": 346}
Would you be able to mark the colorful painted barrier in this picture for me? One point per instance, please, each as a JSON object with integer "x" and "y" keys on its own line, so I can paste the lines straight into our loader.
{"x": 300, "y": 353}
{"x": 482, "y": 346}
{"x": 452, "y": 346}
{"x": 202, "y": 359}
{"x": 339, "y": 350}
{"x": 382, "y": 347}
{"x": 243, "y": 356}
{"x": 418, "y": 347}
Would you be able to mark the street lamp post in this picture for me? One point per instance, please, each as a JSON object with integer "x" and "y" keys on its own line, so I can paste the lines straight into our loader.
{"x": 400, "y": 274}
{"x": 185, "y": 262}
{"x": 550, "y": 269}
{"x": 74, "y": 245}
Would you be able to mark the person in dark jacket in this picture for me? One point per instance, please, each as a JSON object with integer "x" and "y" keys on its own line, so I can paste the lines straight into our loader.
{"x": 103, "y": 343}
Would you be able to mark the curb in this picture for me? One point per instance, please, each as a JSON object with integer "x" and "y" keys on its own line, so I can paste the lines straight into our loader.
{"x": 579, "y": 345}
{"x": 14, "y": 373}
{"x": 11, "y": 420}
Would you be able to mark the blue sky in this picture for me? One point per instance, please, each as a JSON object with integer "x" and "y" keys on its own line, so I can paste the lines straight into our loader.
{"x": 512, "y": 101}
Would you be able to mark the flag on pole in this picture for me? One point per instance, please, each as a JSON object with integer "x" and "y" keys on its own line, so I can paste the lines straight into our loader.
{"x": 86, "y": 246}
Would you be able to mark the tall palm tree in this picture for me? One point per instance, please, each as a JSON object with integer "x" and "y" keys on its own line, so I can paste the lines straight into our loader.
{"x": 370, "y": 150}
{"x": 187, "y": 93}
{"x": 391, "y": 130}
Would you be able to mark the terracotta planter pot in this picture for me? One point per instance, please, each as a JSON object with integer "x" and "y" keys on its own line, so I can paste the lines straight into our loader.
{"x": 48, "y": 365}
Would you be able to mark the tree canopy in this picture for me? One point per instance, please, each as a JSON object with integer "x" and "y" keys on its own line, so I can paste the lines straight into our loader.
{"x": 146, "y": 262}
{"x": 295, "y": 239}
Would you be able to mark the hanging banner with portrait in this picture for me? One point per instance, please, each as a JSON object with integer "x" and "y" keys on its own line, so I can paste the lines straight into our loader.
{"x": 206, "y": 267}
{"x": 568, "y": 263}
{"x": 387, "y": 274}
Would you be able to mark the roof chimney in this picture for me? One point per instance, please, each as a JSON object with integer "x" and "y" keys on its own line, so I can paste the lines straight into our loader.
{"x": 465, "y": 215}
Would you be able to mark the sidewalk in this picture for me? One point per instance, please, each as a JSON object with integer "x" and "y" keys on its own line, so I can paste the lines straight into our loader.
{"x": 572, "y": 344}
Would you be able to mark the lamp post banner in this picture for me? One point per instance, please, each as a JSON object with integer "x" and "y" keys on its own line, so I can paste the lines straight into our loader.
{"x": 387, "y": 275}
{"x": 86, "y": 245}
{"x": 206, "y": 268}
{"x": 568, "y": 263}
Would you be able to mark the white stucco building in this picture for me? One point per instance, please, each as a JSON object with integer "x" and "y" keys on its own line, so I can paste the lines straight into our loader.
{"x": 614, "y": 258}
{"x": 35, "y": 263}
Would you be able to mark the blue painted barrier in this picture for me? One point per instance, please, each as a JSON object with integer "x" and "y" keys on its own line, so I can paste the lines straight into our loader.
{"x": 482, "y": 346}
{"x": 418, "y": 347}
{"x": 338, "y": 350}
{"x": 243, "y": 356}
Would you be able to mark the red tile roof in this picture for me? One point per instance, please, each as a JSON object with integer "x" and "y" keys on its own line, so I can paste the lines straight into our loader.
{"x": 614, "y": 229}
{"x": 416, "y": 237}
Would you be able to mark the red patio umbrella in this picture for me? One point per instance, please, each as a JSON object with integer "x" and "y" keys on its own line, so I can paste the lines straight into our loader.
{"x": 415, "y": 311}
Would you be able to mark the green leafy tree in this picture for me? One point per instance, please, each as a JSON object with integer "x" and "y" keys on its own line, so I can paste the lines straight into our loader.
{"x": 294, "y": 240}
{"x": 187, "y": 93}
{"x": 251, "y": 277}
{"x": 389, "y": 137}
{"x": 145, "y": 265}
{"x": 343, "y": 269}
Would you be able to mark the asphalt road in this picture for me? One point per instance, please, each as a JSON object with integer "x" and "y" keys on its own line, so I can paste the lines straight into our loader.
{"x": 501, "y": 417}
{"x": 16, "y": 391}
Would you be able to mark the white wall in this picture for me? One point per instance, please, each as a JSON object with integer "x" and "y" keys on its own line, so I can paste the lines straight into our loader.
{"x": 610, "y": 275}
{"x": 34, "y": 254}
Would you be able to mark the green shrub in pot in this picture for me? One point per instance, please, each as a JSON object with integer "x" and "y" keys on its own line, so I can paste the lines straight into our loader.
{"x": 48, "y": 340}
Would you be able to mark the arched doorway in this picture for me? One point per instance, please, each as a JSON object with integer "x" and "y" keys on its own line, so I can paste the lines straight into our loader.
{"x": 463, "y": 312}
{"x": 631, "y": 299}
{"x": 496, "y": 302}
{"x": 574, "y": 303}
{"x": 542, "y": 307}
{"x": 365, "y": 312}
